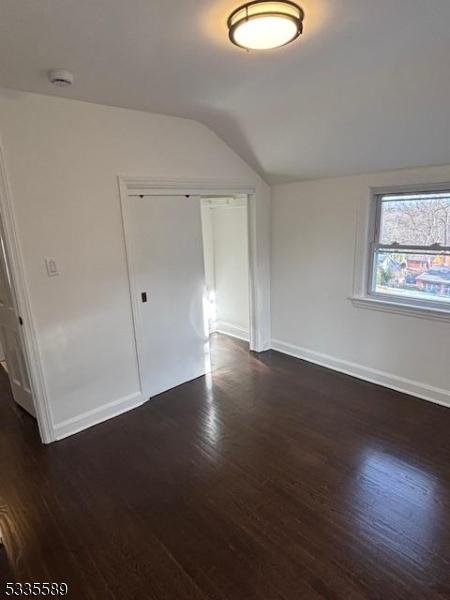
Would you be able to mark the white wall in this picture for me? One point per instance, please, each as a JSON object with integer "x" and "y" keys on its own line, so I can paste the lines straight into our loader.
{"x": 313, "y": 245}
{"x": 63, "y": 158}
{"x": 226, "y": 253}
{"x": 231, "y": 270}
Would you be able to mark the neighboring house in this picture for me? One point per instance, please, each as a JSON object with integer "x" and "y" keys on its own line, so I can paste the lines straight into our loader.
{"x": 436, "y": 281}
{"x": 417, "y": 264}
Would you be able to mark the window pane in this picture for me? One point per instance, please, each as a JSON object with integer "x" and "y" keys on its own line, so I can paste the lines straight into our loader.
{"x": 415, "y": 219}
{"x": 408, "y": 275}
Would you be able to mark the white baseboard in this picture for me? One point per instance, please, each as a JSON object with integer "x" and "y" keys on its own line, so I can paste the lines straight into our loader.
{"x": 232, "y": 330}
{"x": 98, "y": 415}
{"x": 400, "y": 384}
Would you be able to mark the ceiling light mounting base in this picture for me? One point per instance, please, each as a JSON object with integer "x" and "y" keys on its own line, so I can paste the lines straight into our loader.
{"x": 60, "y": 77}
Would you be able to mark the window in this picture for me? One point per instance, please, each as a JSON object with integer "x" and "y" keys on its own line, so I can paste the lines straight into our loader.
{"x": 410, "y": 248}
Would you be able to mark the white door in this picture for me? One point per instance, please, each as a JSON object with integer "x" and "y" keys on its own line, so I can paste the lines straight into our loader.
{"x": 11, "y": 341}
{"x": 165, "y": 254}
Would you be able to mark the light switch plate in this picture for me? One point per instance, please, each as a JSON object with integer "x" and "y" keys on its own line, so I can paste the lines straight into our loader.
{"x": 52, "y": 267}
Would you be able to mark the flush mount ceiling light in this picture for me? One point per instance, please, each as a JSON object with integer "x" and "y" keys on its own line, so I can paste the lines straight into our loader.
{"x": 261, "y": 25}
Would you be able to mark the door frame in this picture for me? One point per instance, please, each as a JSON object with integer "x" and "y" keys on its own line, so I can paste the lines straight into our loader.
{"x": 21, "y": 299}
{"x": 151, "y": 186}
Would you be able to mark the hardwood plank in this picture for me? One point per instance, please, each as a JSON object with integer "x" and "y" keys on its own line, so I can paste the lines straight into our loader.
{"x": 271, "y": 479}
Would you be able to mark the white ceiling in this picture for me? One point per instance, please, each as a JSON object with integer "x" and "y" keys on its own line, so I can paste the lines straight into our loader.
{"x": 366, "y": 88}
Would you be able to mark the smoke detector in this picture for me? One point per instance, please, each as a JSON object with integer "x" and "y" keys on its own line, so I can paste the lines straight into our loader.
{"x": 60, "y": 77}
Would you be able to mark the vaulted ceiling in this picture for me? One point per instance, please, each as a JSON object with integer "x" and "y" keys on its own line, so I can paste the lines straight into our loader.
{"x": 366, "y": 88}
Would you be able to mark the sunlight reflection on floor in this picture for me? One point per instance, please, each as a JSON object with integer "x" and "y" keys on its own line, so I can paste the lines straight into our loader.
{"x": 398, "y": 505}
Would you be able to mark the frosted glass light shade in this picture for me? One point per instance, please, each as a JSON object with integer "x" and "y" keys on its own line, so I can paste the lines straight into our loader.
{"x": 263, "y": 25}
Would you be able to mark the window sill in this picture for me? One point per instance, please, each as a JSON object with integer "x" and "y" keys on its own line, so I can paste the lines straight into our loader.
{"x": 410, "y": 310}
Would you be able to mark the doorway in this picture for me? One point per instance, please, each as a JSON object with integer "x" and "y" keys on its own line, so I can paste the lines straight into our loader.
{"x": 19, "y": 339}
{"x": 165, "y": 258}
{"x": 13, "y": 360}
{"x": 226, "y": 257}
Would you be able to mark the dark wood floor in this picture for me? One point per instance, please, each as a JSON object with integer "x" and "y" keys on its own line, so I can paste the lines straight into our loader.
{"x": 272, "y": 479}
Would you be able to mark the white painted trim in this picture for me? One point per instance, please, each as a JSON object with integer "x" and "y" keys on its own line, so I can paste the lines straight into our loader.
{"x": 98, "y": 415}
{"x": 389, "y": 380}
{"x": 160, "y": 186}
{"x": 256, "y": 342}
{"x": 440, "y": 186}
{"x": 365, "y": 232}
{"x": 22, "y": 297}
{"x": 132, "y": 282}
{"x": 232, "y": 330}
{"x": 421, "y": 312}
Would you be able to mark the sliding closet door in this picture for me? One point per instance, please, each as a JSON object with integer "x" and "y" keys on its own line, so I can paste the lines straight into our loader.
{"x": 164, "y": 243}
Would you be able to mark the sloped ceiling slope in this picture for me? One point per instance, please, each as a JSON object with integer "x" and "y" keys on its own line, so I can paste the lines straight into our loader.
{"x": 366, "y": 87}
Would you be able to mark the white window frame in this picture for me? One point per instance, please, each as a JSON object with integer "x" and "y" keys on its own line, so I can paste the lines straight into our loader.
{"x": 364, "y": 296}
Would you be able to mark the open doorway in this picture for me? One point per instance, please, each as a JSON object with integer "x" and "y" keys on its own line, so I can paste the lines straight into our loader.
{"x": 23, "y": 381}
{"x": 226, "y": 257}
{"x": 165, "y": 258}
{"x": 13, "y": 363}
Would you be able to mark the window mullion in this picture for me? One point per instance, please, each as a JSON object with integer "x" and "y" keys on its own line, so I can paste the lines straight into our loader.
{"x": 433, "y": 249}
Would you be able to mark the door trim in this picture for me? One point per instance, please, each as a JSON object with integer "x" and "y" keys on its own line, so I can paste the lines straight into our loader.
{"x": 151, "y": 186}
{"x": 21, "y": 299}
